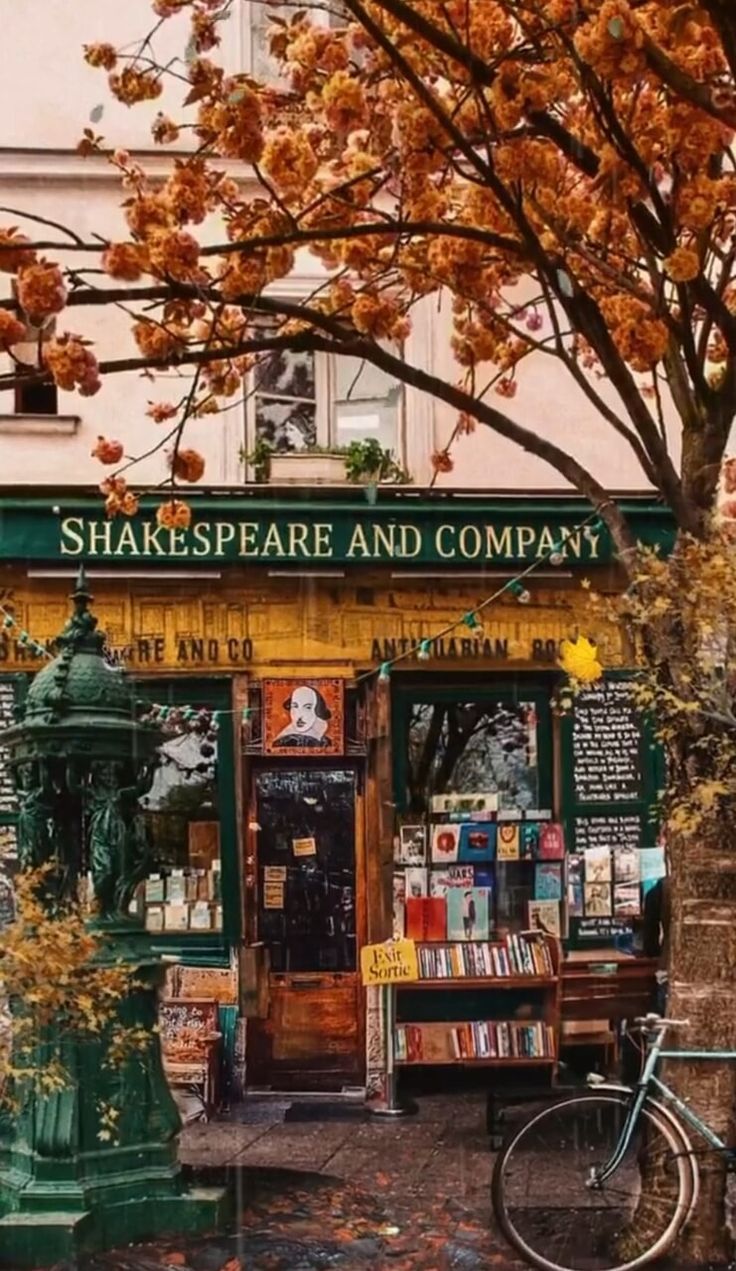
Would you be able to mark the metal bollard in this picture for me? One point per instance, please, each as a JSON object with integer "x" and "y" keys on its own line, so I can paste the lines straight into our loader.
{"x": 391, "y": 1106}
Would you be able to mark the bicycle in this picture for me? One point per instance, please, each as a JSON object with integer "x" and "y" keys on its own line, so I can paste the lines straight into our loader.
{"x": 605, "y": 1180}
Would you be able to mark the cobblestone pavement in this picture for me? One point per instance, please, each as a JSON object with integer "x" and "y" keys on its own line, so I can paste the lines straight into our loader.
{"x": 353, "y": 1195}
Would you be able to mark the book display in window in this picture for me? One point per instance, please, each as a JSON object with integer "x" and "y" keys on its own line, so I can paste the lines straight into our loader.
{"x": 483, "y": 873}
{"x": 488, "y": 989}
{"x": 181, "y": 900}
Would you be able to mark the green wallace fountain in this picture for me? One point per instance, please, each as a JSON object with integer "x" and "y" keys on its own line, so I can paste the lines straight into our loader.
{"x": 81, "y": 761}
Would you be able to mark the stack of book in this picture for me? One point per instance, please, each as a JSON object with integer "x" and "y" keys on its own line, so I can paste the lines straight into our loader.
{"x": 518, "y": 955}
{"x": 487, "y": 1039}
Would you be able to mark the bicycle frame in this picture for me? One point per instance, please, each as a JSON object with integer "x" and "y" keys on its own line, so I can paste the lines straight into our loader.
{"x": 648, "y": 1082}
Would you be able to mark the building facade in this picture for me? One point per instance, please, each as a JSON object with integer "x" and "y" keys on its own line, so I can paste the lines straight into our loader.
{"x": 325, "y": 670}
{"x": 327, "y": 665}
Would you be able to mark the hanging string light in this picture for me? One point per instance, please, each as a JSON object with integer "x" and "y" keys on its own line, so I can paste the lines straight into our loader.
{"x": 25, "y": 640}
{"x": 471, "y": 620}
{"x": 518, "y": 590}
{"x": 424, "y": 652}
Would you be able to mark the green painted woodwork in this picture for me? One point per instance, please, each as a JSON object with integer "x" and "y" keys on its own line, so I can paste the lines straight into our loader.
{"x": 401, "y": 528}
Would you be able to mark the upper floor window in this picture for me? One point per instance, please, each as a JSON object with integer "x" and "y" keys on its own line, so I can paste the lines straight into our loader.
{"x": 31, "y": 398}
{"x": 303, "y": 399}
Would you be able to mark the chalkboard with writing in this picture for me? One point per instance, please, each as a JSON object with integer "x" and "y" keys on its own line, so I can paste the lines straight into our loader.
{"x": 601, "y": 930}
{"x": 606, "y": 744}
{"x": 611, "y": 772}
{"x": 609, "y": 831}
{"x": 192, "y": 1017}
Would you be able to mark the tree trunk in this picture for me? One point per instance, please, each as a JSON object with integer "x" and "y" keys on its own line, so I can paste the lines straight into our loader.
{"x": 702, "y": 975}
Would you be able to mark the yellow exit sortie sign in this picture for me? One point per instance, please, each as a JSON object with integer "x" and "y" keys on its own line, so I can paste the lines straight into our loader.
{"x": 392, "y": 963}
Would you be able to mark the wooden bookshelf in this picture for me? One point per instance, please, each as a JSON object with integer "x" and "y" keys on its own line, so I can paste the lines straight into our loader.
{"x": 509, "y": 1061}
{"x": 484, "y": 982}
{"x": 545, "y": 997}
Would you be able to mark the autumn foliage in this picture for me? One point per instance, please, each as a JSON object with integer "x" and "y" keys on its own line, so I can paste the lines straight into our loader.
{"x": 560, "y": 170}
{"x": 54, "y": 985}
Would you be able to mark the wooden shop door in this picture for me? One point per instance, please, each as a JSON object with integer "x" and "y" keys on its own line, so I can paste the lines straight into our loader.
{"x": 310, "y": 918}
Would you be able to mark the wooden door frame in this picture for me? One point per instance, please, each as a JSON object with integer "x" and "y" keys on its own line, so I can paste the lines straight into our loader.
{"x": 251, "y": 767}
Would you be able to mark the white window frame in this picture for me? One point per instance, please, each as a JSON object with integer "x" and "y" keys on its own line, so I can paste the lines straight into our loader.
{"x": 325, "y": 382}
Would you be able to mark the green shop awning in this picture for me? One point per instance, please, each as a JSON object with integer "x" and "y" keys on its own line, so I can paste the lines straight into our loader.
{"x": 399, "y": 529}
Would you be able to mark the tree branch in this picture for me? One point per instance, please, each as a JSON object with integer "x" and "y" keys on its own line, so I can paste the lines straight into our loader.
{"x": 346, "y": 344}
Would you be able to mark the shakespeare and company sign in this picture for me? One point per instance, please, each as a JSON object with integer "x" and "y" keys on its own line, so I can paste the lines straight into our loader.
{"x": 452, "y": 533}
{"x": 360, "y": 541}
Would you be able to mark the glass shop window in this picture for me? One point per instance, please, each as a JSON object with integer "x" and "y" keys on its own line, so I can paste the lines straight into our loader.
{"x": 473, "y": 763}
{"x": 306, "y": 862}
{"x": 181, "y": 821}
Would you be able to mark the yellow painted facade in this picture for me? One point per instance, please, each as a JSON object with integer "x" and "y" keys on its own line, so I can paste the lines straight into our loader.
{"x": 249, "y": 623}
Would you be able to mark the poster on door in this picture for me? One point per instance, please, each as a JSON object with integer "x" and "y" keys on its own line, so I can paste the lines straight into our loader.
{"x": 303, "y": 717}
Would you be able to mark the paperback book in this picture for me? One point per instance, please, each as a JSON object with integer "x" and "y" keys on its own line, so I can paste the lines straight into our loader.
{"x": 445, "y": 842}
{"x": 548, "y": 880}
{"x": 477, "y": 842}
{"x": 426, "y": 918}
{"x": 508, "y": 842}
{"x": 467, "y": 914}
{"x": 544, "y": 915}
{"x": 551, "y": 842}
{"x": 442, "y": 880}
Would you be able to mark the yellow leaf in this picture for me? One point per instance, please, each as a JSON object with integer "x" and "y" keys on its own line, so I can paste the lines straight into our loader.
{"x": 579, "y": 660}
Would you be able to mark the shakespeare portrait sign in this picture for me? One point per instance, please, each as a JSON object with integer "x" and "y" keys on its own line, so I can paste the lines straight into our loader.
{"x": 303, "y": 717}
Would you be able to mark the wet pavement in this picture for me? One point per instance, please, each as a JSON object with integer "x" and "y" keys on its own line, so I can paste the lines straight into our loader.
{"x": 349, "y": 1195}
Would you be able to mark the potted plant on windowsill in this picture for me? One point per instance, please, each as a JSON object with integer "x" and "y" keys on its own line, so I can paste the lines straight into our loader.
{"x": 362, "y": 463}
{"x": 369, "y": 463}
{"x": 314, "y": 465}
{"x": 311, "y": 465}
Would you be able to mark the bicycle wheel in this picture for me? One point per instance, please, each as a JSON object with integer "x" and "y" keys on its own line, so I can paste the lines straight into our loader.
{"x": 551, "y": 1216}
